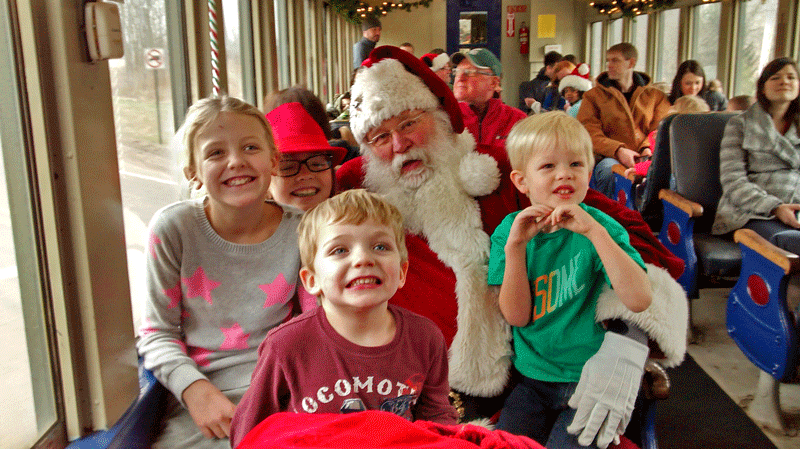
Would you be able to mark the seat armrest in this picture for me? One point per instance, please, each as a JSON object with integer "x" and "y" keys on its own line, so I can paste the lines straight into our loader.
{"x": 625, "y": 186}
{"x": 758, "y": 317}
{"x": 789, "y": 262}
{"x": 691, "y": 208}
{"x": 655, "y": 382}
{"x": 677, "y": 234}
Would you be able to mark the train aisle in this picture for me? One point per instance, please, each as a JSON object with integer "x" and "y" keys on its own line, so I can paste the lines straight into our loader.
{"x": 712, "y": 389}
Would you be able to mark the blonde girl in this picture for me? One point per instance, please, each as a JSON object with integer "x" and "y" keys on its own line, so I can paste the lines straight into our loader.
{"x": 221, "y": 272}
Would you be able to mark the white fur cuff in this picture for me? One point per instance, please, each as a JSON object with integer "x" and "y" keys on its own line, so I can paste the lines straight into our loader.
{"x": 665, "y": 321}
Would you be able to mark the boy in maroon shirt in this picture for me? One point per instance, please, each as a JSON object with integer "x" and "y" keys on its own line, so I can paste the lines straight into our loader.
{"x": 355, "y": 351}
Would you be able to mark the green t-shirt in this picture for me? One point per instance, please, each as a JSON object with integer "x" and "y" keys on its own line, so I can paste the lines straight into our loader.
{"x": 566, "y": 277}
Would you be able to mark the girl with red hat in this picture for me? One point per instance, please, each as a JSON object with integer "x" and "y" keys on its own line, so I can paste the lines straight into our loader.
{"x": 306, "y": 160}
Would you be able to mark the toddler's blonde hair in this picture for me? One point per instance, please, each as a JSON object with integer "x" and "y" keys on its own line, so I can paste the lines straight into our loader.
{"x": 689, "y": 104}
{"x": 551, "y": 129}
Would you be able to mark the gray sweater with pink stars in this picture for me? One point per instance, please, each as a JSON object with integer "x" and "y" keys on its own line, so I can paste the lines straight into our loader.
{"x": 211, "y": 302}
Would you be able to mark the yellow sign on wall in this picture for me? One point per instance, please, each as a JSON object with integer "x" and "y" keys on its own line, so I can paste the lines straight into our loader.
{"x": 546, "y": 26}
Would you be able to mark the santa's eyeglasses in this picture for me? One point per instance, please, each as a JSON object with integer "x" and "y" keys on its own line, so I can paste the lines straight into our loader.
{"x": 404, "y": 128}
{"x": 318, "y": 163}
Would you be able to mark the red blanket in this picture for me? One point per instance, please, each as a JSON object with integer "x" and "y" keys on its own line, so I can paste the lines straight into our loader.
{"x": 377, "y": 430}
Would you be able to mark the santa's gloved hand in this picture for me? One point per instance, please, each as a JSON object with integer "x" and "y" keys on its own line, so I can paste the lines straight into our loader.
{"x": 606, "y": 392}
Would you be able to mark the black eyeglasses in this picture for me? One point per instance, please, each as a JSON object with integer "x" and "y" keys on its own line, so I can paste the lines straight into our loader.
{"x": 318, "y": 163}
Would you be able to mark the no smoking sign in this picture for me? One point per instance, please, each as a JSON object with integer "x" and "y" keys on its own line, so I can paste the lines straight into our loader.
{"x": 154, "y": 58}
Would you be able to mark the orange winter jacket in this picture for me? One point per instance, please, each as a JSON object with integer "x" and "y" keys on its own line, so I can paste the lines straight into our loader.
{"x": 613, "y": 123}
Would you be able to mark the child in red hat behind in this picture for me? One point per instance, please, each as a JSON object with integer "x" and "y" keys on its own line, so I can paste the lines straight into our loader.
{"x": 305, "y": 167}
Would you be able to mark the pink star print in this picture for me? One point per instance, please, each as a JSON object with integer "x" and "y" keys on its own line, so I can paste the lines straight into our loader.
{"x": 235, "y": 338}
{"x": 152, "y": 242}
{"x": 200, "y": 285}
{"x": 199, "y": 355}
{"x": 174, "y": 294}
{"x": 278, "y": 291}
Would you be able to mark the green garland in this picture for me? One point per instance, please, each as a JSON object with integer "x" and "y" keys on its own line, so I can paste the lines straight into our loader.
{"x": 630, "y": 8}
{"x": 355, "y": 10}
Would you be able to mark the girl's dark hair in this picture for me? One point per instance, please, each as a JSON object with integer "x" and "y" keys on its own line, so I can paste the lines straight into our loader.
{"x": 311, "y": 103}
{"x": 688, "y": 66}
{"x": 775, "y": 66}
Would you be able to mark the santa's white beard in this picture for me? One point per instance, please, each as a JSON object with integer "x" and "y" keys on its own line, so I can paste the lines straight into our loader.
{"x": 436, "y": 205}
{"x": 426, "y": 193}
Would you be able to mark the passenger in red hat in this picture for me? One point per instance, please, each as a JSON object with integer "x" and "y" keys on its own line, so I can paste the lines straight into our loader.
{"x": 306, "y": 160}
{"x": 439, "y": 64}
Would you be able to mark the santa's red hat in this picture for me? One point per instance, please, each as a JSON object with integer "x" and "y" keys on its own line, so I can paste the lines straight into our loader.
{"x": 578, "y": 79}
{"x": 391, "y": 81}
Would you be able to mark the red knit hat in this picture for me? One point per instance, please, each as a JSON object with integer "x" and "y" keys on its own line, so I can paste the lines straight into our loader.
{"x": 295, "y": 131}
{"x": 391, "y": 81}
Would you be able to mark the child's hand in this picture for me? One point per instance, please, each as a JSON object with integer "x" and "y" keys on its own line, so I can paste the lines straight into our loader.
{"x": 211, "y": 410}
{"x": 630, "y": 172}
{"x": 572, "y": 217}
{"x": 528, "y": 223}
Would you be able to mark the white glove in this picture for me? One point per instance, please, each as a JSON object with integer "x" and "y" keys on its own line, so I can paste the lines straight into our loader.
{"x": 606, "y": 393}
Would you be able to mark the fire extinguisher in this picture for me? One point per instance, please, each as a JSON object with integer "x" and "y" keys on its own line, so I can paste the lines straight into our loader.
{"x": 524, "y": 47}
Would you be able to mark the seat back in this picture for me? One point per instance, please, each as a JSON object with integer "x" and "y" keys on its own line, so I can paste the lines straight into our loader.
{"x": 694, "y": 141}
{"x": 657, "y": 177}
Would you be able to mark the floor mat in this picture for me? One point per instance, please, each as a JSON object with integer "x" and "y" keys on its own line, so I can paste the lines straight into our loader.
{"x": 698, "y": 414}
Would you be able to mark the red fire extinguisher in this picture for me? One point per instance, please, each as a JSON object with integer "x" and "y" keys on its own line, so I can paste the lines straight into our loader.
{"x": 524, "y": 47}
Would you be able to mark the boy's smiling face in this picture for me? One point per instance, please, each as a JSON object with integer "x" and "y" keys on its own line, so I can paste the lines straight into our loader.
{"x": 554, "y": 176}
{"x": 356, "y": 267}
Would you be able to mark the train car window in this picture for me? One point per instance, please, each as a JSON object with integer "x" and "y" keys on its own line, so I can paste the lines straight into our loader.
{"x": 596, "y": 59}
{"x": 27, "y": 386}
{"x": 639, "y": 40}
{"x": 755, "y": 43}
{"x": 614, "y": 32}
{"x": 667, "y": 61}
{"x": 705, "y": 37}
{"x": 150, "y": 177}
{"x": 233, "y": 47}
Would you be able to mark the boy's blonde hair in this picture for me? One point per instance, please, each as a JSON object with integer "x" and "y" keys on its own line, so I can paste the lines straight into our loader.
{"x": 689, "y": 104}
{"x": 349, "y": 207}
{"x": 551, "y": 129}
{"x": 205, "y": 111}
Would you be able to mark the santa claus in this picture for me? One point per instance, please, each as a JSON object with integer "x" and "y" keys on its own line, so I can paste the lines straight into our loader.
{"x": 452, "y": 194}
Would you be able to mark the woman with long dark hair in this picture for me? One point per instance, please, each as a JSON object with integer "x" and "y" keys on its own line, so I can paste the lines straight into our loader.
{"x": 760, "y": 161}
{"x": 691, "y": 80}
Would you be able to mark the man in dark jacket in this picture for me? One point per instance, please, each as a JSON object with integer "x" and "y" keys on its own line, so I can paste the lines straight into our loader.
{"x": 533, "y": 90}
{"x": 371, "y": 31}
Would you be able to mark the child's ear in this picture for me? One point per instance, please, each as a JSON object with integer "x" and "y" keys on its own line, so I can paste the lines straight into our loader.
{"x": 274, "y": 162}
{"x": 403, "y": 273}
{"x": 518, "y": 179}
{"x": 191, "y": 176}
{"x": 310, "y": 281}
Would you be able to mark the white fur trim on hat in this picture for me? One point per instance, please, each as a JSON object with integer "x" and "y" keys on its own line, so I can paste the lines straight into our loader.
{"x": 574, "y": 81}
{"x": 383, "y": 91}
{"x": 578, "y": 79}
{"x": 440, "y": 61}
